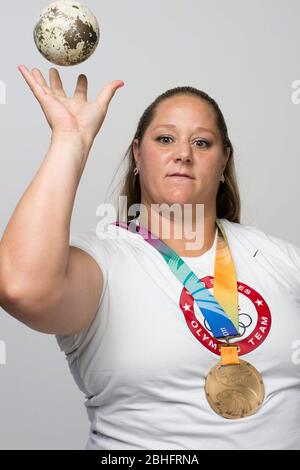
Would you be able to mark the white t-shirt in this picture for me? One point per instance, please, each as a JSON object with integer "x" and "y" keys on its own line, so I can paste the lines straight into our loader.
{"x": 143, "y": 371}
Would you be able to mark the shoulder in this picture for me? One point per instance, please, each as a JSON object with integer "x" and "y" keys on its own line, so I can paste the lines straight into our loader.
{"x": 254, "y": 238}
{"x": 105, "y": 241}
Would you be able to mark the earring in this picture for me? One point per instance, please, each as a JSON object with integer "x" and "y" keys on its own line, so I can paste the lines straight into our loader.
{"x": 135, "y": 171}
{"x": 223, "y": 178}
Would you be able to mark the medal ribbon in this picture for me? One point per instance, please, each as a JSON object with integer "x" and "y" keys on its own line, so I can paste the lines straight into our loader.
{"x": 220, "y": 309}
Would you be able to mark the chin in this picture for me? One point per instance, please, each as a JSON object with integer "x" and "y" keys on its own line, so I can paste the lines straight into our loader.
{"x": 182, "y": 197}
{"x": 178, "y": 200}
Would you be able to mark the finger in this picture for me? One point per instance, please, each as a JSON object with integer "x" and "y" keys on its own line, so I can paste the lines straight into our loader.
{"x": 81, "y": 87}
{"x": 108, "y": 92}
{"x": 56, "y": 83}
{"x": 40, "y": 79}
{"x": 35, "y": 87}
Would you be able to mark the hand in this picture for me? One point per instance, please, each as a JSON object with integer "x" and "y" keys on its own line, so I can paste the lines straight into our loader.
{"x": 70, "y": 114}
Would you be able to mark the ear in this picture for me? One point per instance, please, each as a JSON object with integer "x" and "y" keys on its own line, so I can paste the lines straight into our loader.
{"x": 227, "y": 154}
{"x": 136, "y": 151}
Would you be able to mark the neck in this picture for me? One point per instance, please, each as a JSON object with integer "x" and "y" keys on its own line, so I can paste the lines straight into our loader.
{"x": 190, "y": 235}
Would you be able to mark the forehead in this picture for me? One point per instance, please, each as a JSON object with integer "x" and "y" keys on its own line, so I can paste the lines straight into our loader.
{"x": 183, "y": 109}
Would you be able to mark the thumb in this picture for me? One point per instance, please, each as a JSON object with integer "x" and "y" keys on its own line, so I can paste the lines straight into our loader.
{"x": 106, "y": 94}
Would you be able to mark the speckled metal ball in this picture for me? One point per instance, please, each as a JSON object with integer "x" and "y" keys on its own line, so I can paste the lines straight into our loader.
{"x": 67, "y": 33}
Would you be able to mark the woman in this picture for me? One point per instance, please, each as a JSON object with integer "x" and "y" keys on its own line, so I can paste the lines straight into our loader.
{"x": 145, "y": 358}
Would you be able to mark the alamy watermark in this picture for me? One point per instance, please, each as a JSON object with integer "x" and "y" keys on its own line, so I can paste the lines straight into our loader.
{"x": 295, "y": 97}
{"x": 2, "y": 92}
{"x": 2, "y": 353}
{"x": 296, "y": 353}
{"x": 175, "y": 221}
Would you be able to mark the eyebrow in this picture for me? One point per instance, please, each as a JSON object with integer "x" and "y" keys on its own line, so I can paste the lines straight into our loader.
{"x": 172, "y": 126}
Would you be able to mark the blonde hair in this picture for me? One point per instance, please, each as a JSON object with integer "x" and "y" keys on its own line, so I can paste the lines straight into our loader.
{"x": 228, "y": 203}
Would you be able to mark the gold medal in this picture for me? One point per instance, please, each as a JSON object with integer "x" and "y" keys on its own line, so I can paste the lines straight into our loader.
{"x": 233, "y": 387}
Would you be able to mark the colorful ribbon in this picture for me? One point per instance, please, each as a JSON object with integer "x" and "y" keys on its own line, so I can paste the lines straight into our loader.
{"x": 220, "y": 309}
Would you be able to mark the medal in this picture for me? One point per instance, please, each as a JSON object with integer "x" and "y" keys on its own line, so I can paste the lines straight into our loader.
{"x": 233, "y": 387}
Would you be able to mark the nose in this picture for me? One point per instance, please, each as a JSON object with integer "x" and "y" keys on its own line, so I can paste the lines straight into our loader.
{"x": 184, "y": 153}
{"x": 184, "y": 158}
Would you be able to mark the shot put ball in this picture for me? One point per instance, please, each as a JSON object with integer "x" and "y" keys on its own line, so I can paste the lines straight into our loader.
{"x": 67, "y": 33}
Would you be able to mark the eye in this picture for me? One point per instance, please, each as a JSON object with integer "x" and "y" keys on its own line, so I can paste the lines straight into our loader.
{"x": 199, "y": 140}
{"x": 168, "y": 137}
{"x": 163, "y": 137}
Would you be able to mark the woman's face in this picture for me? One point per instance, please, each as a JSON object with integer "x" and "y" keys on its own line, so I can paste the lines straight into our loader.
{"x": 176, "y": 141}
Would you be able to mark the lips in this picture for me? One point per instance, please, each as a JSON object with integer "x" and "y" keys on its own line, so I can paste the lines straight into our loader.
{"x": 179, "y": 175}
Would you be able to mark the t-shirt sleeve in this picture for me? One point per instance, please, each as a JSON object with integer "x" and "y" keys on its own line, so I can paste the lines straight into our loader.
{"x": 89, "y": 242}
{"x": 291, "y": 251}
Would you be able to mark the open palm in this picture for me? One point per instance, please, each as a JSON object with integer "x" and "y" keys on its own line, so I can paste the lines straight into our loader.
{"x": 70, "y": 114}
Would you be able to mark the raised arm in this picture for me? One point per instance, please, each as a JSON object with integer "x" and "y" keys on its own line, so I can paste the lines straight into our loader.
{"x": 45, "y": 283}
